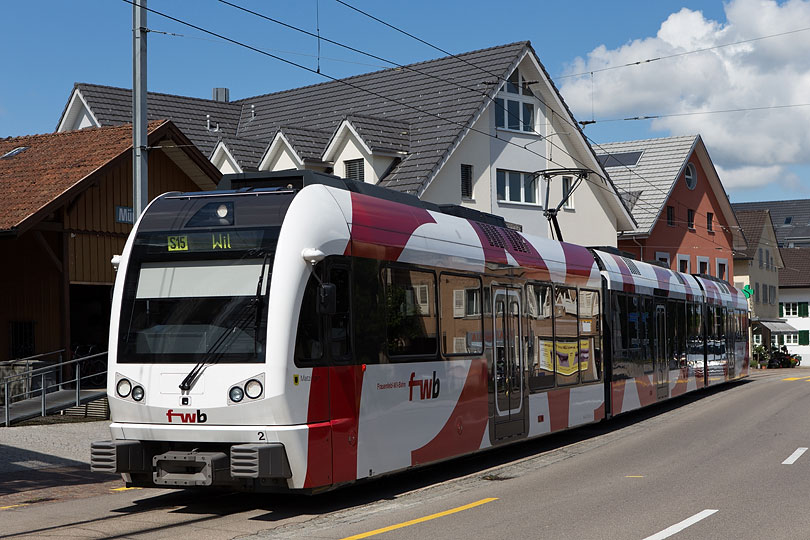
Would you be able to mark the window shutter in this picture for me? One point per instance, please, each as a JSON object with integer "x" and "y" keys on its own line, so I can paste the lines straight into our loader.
{"x": 804, "y": 337}
{"x": 802, "y": 309}
{"x": 466, "y": 181}
{"x": 458, "y": 303}
{"x": 354, "y": 169}
{"x": 781, "y": 309}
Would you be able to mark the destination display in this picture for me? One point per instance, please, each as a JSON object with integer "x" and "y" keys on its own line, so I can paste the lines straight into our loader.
{"x": 207, "y": 242}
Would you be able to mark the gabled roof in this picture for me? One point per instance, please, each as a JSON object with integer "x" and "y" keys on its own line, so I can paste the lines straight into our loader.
{"x": 56, "y": 166}
{"x": 204, "y": 121}
{"x": 246, "y": 152}
{"x": 798, "y": 226}
{"x": 754, "y": 224}
{"x": 650, "y": 181}
{"x": 796, "y": 272}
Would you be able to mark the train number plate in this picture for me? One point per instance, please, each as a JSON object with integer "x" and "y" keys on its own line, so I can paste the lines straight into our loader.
{"x": 177, "y": 243}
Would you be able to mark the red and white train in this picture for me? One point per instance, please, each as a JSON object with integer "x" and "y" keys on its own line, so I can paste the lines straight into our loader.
{"x": 309, "y": 332}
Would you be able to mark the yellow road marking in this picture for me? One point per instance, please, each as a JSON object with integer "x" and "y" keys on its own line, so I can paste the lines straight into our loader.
{"x": 634, "y": 477}
{"x": 12, "y": 506}
{"x": 797, "y": 379}
{"x": 124, "y": 488}
{"x": 420, "y": 520}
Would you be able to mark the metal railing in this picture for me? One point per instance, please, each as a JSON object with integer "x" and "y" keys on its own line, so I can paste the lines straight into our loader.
{"x": 87, "y": 369}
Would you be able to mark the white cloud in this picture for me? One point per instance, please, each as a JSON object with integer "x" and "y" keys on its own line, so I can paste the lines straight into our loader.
{"x": 753, "y": 147}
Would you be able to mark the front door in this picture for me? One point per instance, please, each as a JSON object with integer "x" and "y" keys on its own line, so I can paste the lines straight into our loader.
{"x": 660, "y": 356}
{"x": 508, "y": 362}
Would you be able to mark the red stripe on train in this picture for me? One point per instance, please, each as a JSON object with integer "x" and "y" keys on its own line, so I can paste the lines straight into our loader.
{"x": 464, "y": 429}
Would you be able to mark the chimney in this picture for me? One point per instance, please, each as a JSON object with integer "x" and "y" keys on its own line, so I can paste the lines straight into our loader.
{"x": 221, "y": 94}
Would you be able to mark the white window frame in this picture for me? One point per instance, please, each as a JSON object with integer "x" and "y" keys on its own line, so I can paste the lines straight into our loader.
{"x": 470, "y": 196}
{"x": 788, "y": 311}
{"x": 700, "y": 259}
{"x": 757, "y": 339}
{"x": 690, "y": 172}
{"x": 507, "y": 194}
{"x": 663, "y": 255}
{"x": 688, "y": 259}
{"x": 791, "y": 339}
{"x": 521, "y": 99}
{"x": 717, "y": 263}
{"x": 476, "y": 313}
{"x": 569, "y": 203}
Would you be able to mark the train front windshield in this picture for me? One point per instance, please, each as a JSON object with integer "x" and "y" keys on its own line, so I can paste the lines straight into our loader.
{"x": 197, "y": 296}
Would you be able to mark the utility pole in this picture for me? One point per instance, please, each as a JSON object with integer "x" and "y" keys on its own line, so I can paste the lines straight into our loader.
{"x": 140, "y": 157}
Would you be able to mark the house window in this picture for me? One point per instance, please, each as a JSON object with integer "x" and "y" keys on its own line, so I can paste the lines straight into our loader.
{"x": 709, "y": 217}
{"x": 772, "y": 293}
{"x": 684, "y": 265}
{"x": 703, "y": 266}
{"x": 764, "y": 294}
{"x": 671, "y": 216}
{"x": 791, "y": 339}
{"x": 756, "y": 293}
{"x": 516, "y": 105}
{"x": 791, "y": 309}
{"x": 354, "y": 169}
{"x": 788, "y": 220}
{"x": 757, "y": 339}
{"x": 760, "y": 257}
{"x": 566, "y": 192}
{"x": 690, "y": 219}
{"x": 466, "y": 181}
{"x": 721, "y": 270}
{"x": 514, "y": 186}
{"x": 690, "y": 175}
{"x": 768, "y": 259}
{"x": 663, "y": 257}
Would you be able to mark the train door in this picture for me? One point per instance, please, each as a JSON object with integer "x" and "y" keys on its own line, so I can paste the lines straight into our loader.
{"x": 661, "y": 358}
{"x": 508, "y": 361}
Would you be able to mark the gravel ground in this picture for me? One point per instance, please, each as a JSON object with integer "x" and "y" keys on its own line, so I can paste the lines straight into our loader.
{"x": 43, "y": 446}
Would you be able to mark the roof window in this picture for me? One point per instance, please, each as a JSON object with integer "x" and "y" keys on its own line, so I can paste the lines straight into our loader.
{"x": 621, "y": 159}
{"x": 18, "y": 150}
{"x": 788, "y": 220}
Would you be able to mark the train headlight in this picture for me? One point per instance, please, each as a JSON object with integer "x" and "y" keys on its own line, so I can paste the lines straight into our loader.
{"x": 253, "y": 389}
{"x": 124, "y": 387}
{"x": 236, "y": 394}
{"x": 222, "y": 210}
{"x": 137, "y": 393}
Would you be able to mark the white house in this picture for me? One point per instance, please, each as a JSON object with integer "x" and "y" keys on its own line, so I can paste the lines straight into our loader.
{"x": 485, "y": 129}
{"x": 794, "y": 296}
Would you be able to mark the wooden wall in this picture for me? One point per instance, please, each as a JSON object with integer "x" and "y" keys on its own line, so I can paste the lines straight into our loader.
{"x": 31, "y": 290}
{"x": 94, "y": 235}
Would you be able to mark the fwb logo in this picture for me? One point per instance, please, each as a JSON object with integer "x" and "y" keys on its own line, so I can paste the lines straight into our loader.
{"x": 428, "y": 388}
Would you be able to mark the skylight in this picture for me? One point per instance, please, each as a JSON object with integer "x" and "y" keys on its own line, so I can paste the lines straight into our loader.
{"x": 14, "y": 152}
{"x": 788, "y": 220}
{"x": 621, "y": 159}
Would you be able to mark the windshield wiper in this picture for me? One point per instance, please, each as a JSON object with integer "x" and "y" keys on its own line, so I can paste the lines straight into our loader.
{"x": 212, "y": 355}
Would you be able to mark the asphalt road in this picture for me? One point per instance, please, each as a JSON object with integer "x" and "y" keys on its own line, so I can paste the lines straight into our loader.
{"x": 721, "y": 464}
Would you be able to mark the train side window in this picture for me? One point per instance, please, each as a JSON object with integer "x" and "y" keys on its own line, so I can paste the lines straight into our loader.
{"x": 411, "y": 321}
{"x": 308, "y": 342}
{"x": 566, "y": 340}
{"x": 646, "y": 327}
{"x": 590, "y": 336}
{"x": 339, "y": 322}
{"x": 460, "y": 302}
{"x": 368, "y": 312}
{"x": 540, "y": 336}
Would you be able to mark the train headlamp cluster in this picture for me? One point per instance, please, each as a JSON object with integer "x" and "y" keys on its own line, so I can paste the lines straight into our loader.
{"x": 127, "y": 389}
{"x": 252, "y": 388}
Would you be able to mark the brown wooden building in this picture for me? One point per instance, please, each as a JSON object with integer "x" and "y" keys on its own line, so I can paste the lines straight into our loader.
{"x": 65, "y": 203}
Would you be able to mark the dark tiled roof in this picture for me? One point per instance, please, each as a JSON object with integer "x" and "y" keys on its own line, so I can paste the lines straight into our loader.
{"x": 113, "y": 107}
{"x": 52, "y": 164}
{"x": 752, "y": 223}
{"x": 797, "y": 210}
{"x": 247, "y": 152}
{"x": 382, "y": 135}
{"x": 436, "y": 100}
{"x": 796, "y": 272}
{"x": 307, "y": 143}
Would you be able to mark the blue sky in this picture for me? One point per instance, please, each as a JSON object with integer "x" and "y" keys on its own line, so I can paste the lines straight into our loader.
{"x": 50, "y": 44}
